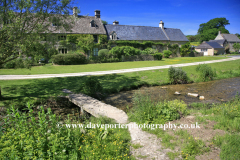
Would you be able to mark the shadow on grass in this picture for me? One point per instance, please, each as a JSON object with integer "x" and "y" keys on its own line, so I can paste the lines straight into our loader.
{"x": 42, "y": 88}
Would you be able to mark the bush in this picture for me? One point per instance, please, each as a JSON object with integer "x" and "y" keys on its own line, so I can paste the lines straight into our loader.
{"x": 147, "y": 111}
{"x": 158, "y": 56}
{"x": 149, "y": 51}
{"x": 167, "y": 53}
{"x": 91, "y": 87}
{"x": 18, "y": 63}
{"x": 69, "y": 59}
{"x": 177, "y": 76}
{"x": 118, "y": 52}
{"x": 206, "y": 72}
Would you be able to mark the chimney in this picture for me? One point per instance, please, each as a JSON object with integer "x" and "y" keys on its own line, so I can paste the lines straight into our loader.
{"x": 219, "y": 32}
{"x": 75, "y": 14}
{"x": 115, "y": 23}
{"x": 97, "y": 14}
{"x": 161, "y": 24}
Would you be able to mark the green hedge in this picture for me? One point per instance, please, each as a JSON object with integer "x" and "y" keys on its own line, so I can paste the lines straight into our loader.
{"x": 136, "y": 44}
{"x": 69, "y": 59}
{"x": 158, "y": 56}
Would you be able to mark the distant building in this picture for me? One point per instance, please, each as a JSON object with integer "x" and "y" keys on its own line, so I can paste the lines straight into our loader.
{"x": 208, "y": 48}
{"x": 226, "y": 39}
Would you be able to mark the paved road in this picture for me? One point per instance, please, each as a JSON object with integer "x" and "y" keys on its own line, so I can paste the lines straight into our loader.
{"x": 12, "y": 77}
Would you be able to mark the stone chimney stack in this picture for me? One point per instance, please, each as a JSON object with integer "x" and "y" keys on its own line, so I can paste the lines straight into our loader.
{"x": 219, "y": 32}
{"x": 115, "y": 23}
{"x": 161, "y": 24}
{"x": 75, "y": 14}
{"x": 97, "y": 13}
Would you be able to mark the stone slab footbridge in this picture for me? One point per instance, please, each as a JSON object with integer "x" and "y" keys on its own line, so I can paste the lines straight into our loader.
{"x": 151, "y": 145}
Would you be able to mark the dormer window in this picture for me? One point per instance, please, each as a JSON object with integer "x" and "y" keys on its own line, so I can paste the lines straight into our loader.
{"x": 93, "y": 23}
{"x": 113, "y": 35}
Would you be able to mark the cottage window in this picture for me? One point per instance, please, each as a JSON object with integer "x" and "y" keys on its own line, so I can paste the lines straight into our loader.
{"x": 62, "y": 38}
{"x": 204, "y": 50}
{"x": 62, "y": 50}
{"x": 95, "y": 38}
{"x": 95, "y": 51}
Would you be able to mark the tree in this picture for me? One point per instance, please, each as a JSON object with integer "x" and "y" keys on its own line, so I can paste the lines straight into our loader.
{"x": 236, "y": 46}
{"x": 238, "y": 35}
{"x": 209, "y": 30}
{"x": 104, "y": 22}
{"x": 23, "y": 21}
{"x": 185, "y": 49}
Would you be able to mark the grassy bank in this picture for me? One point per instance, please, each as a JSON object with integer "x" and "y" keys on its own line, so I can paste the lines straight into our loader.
{"x": 53, "y": 69}
{"x": 222, "y": 140}
{"x": 25, "y": 90}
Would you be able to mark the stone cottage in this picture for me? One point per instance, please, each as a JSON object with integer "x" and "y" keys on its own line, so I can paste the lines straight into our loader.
{"x": 209, "y": 48}
{"x": 162, "y": 34}
{"x": 226, "y": 40}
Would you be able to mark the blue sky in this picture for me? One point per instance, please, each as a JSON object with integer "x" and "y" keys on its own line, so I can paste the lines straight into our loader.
{"x": 186, "y": 15}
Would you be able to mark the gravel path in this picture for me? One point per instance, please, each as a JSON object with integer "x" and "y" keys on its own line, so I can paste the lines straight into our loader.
{"x": 12, "y": 77}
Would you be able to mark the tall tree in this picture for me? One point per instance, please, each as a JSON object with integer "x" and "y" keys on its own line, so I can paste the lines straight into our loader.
{"x": 209, "y": 30}
{"x": 22, "y": 23}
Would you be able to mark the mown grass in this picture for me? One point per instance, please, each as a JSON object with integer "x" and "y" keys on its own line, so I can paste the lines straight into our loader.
{"x": 25, "y": 90}
{"x": 23, "y": 136}
{"x": 54, "y": 69}
{"x": 227, "y": 116}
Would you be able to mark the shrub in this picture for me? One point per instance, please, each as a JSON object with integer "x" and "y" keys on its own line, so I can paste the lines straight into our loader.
{"x": 185, "y": 49}
{"x": 206, "y": 72}
{"x": 118, "y": 52}
{"x": 91, "y": 87}
{"x": 147, "y": 111}
{"x": 18, "y": 63}
{"x": 177, "y": 76}
{"x": 167, "y": 53}
{"x": 69, "y": 59}
{"x": 103, "y": 55}
{"x": 149, "y": 51}
{"x": 158, "y": 56}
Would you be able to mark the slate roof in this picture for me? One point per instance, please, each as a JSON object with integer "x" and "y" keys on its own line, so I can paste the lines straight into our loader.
{"x": 220, "y": 41}
{"x": 231, "y": 37}
{"x": 209, "y": 45}
{"x": 82, "y": 26}
{"x": 129, "y": 32}
{"x": 175, "y": 34}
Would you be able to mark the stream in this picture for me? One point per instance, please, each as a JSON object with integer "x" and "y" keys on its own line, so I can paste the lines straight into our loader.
{"x": 213, "y": 91}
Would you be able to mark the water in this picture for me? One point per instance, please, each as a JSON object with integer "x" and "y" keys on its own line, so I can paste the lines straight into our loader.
{"x": 213, "y": 92}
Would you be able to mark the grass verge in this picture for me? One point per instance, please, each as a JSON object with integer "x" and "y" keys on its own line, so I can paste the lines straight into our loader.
{"x": 54, "y": 69}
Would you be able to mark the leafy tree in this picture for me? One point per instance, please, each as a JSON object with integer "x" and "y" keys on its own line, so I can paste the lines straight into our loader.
{"x": 104, "y": 22}
{"x": 185, "y": 49}
{"x": 22, "y": 21}
{"x": 236, "y": 46}
{"x": 191, "y": 38}
{"x": 238, "y": 35}
{"x": 209, "y": 30}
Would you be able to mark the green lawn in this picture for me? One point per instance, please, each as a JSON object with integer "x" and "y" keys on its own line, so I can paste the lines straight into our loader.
{"x": 18, "y": 90}
{"x": 51, "y": 69}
